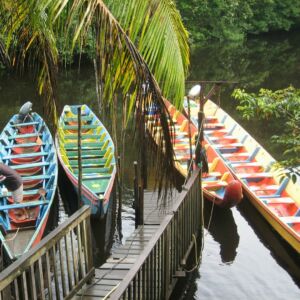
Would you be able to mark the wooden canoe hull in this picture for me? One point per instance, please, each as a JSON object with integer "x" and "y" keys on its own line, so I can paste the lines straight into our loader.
{"x": 215, "y": 183}
{"x": 29, "y": 149}
{"x": 276, "y": 198}
{"x": 97, "y": 160}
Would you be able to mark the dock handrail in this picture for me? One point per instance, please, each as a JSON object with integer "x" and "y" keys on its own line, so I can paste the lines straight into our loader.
{"x": 154, "y": 266}
{"x": 64, "y": 254}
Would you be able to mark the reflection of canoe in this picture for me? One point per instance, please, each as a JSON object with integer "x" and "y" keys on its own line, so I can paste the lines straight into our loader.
{"x": 219, "y": 184}
{"x": 222, "y": 227}
{"x": 97, "y": 156}
{"x": 23, "y": 224}
{"x": 276, "y": 198}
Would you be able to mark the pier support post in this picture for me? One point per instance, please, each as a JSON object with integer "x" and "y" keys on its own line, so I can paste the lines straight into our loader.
{"x": 138, "y": 198}
{"x": 141, "y": 205}
{"x": 79, "y": 156}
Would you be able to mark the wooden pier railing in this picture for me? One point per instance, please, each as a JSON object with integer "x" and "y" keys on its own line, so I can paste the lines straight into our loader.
{"x": 163, "y": 260}
{"x": 57, "y": 267}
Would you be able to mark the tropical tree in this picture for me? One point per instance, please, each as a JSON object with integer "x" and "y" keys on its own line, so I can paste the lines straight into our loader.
{"x": 31, "y": 31}
{"x": 281, "y": 104}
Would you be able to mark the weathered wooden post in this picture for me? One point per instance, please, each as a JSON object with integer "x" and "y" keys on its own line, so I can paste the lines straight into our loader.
{"x": 119, "y": 218}
{"x": 141, "y": 205}
{"x": 79, "y": 156}
{"x": 136, "y": 193}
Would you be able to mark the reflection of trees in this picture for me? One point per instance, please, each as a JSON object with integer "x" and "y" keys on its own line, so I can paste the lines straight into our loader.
{"x": 224, "y": 231}
{"x": 266, "y": 61}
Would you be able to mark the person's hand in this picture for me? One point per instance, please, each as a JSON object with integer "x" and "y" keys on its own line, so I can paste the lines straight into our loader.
{"x": 2, "y": 177}
{"x": 4, "y": 191}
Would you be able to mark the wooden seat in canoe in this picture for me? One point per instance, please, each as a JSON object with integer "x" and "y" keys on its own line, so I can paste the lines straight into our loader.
{"x": 220, "y": 131}
{"x": 247, "y": 164}
{"x": 228, "y": 139}
{"x": 26, "y": 155}
{"x": 83, "y": 136}
{"x": 255, "y": 176}
{"x": 25, "y": 145}
{"x": 89, "y": 165}
{"x": 24, "y": 124}
{"x": 283, "y": 200}
{"x": 95, "y": 176}
{"x": 241, "y": 157}
{"x": 23, "y": 136}
{"x": 75, "y": 119}
{"x": 83, "y": 127}
{"x": 23, "y": 205}
{"x": 182, "y": 157}
{"x": 36, "y": 177}
{"x": 271, "y": 190}
{"x": 84, "y": 145}
{"x": 210, "y": 119}
{"x": 97, "y": 170}
{"x": 29, "y": 166}
{"x": 214, "y": 184}
{"x": 96, "y": 153}
{"x": 32, "y": 124}
{"x": 213, "y": 126}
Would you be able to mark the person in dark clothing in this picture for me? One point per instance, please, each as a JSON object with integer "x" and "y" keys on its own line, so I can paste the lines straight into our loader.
{"x": 12, "y": 181}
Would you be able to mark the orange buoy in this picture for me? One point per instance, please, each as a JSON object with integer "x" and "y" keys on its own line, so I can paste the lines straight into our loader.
{"x": 233, "y": 193}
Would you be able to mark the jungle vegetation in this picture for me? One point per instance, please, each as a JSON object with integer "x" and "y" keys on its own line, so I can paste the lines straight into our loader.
{"x": 235, "y": 19}
{"x": 281, "y": 104}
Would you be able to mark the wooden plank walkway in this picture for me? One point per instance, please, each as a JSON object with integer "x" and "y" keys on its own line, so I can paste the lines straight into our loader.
{"x": 109, "y": 275}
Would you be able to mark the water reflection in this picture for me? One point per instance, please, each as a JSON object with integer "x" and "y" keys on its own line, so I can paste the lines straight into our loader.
{"x": 265, "y": 61}
{"x": 222, "y": 227}
{"x": 282, "y": 252}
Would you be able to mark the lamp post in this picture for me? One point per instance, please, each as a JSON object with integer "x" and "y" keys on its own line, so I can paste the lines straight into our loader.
{"x": 193, "y": 92}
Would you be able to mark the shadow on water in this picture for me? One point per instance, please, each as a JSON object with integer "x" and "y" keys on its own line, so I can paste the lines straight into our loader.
{"x": 280, "y": 250}
{"x": 222, "y": 227}
{"x": 102, "y": 229}
{"x": 220, "y": 224}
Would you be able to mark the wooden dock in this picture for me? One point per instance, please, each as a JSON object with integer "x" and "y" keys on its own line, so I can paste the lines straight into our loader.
{"x": 153, "y": 257}
{"x": 147, "y": 266}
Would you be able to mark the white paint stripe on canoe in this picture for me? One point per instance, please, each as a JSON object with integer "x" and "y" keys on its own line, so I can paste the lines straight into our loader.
{"x": 282, "y": 200}
{"x": 291, "y": 219}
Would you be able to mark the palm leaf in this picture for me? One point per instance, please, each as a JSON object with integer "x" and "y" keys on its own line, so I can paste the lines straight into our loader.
{"x": 30, "y": 42}
{"x": 124, "y": 71}
{"x": 156, "y": 28}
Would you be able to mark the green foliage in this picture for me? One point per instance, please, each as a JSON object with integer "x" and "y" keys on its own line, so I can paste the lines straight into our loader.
{"x": 280, "y": 104}
{"x": 234, "y": 19}
{"x": 40, "y": 34}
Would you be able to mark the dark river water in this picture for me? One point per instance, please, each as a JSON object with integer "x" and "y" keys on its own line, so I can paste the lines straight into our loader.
{"x": 243, "y": 258}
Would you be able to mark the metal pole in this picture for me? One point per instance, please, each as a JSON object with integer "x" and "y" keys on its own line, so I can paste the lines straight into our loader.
{"x": 190, "y": 138}
{"x": 79, "y": 156}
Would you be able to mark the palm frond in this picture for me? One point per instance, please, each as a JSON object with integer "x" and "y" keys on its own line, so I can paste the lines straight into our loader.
{"x": 156, "y": 29}
{"x": 30, "y": 42}
{"x": 124, "y": 71}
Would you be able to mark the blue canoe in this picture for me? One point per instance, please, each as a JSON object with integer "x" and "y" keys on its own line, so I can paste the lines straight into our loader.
{"x": 27, "y": 146}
